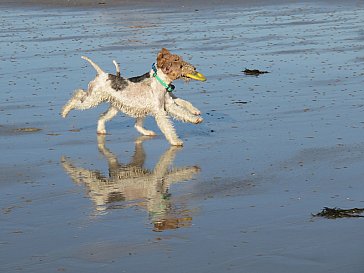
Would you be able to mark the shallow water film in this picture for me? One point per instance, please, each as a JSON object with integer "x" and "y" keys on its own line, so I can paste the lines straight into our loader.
{"x": 274, "y": 148}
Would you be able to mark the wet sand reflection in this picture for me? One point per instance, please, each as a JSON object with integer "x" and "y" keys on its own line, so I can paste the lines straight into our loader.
{"x": 133, "y": 185}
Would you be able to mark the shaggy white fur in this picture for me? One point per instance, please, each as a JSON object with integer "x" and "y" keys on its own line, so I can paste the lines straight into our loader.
{"x": 140, "y": 98}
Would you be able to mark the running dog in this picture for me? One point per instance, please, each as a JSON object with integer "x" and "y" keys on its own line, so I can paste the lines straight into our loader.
{"x": 146, "y": 95}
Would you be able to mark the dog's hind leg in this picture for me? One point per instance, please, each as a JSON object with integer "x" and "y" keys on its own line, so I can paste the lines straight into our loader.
{"x": 139, "y": 127}
{"x": 166, "y": 126}
{"x": 106, "y": 116}
{"x": 78, "y": 95}
{"x": 82, "y": 100}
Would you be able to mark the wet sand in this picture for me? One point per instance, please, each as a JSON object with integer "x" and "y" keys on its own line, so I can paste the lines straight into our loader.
{"x": 145, "y": 3}
{"x": 239, "y": 196}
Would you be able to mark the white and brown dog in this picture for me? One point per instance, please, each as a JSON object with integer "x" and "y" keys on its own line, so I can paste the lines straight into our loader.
{"x": 138, "y": 97}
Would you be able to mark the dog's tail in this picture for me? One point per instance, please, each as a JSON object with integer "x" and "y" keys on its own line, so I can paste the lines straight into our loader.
{"x": 97, "y": 68}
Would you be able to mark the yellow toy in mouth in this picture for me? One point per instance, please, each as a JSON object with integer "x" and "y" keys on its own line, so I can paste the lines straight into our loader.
{"x": 196, "y": 76}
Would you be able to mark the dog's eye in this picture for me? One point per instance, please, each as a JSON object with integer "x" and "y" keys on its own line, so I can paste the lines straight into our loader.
{"x": 181, "y": 66}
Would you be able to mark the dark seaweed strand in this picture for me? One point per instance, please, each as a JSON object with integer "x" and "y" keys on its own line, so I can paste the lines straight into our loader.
{"x": 254, "y": 72}
{"x": 117, "y": 83}
{"x": 140, "y": 78}
{"x": 333, "y": 213}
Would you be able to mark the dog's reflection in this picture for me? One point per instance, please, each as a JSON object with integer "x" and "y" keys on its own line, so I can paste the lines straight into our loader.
{"x": 132, "y": 184}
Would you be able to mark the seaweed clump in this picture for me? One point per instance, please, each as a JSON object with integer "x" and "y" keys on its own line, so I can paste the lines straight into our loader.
{"x": 254, "y": 72}
{"x": 28, "y": 130}
{"x": 334, "y": 213}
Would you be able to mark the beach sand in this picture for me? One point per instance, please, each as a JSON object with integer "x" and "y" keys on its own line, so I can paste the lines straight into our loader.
{"x": 239, "y": 196}
{"x": 145, "y": 3}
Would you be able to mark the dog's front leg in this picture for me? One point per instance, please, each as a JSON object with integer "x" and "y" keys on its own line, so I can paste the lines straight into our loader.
{"x": 77, "y": 98}
{"x": 182, "y": 114}
{"x": 139, "y": 126}
{"x": 187, "y": 105}
{"x": 166, "y": 126}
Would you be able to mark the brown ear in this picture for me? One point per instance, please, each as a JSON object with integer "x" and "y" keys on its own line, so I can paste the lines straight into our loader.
{"x": 162, "y": 57}
{"x": 165, "y": 51}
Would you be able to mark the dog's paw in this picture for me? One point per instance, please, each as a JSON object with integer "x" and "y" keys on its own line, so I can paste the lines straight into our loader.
{"x": 196, "y": 112}
{"x": 143, "y": 131}
{"x": 149, "y": 133}
{"x": 101, "y": 132}
{"x": 198, "y": 120}
{"x": 65, "y": 112}
{"x": 177, "y": 142}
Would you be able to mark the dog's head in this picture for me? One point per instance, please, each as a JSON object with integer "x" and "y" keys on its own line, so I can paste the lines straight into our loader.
{"x": 174, "y": 67}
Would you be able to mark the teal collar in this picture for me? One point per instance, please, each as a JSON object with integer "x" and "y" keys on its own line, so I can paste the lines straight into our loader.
{"x": 168, "y": 87}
